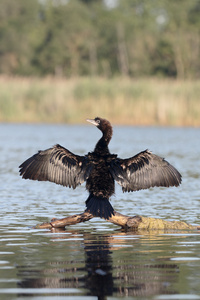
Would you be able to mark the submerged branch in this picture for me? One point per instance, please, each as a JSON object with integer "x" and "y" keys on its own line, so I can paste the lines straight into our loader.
{"x": 135, "y": 223}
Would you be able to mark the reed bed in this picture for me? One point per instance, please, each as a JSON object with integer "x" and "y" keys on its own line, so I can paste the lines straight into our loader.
{"x": 122, "y": 100}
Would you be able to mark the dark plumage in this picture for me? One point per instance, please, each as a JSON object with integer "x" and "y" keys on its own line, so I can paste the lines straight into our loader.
{"x": 100, "y": 169}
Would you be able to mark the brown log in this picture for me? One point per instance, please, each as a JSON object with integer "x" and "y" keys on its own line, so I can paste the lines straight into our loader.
{"x": 71, "y": 220}
{"x": 125, "y": 221}
{"x": 134, "y": 223}
{"x": 61, "y": 223}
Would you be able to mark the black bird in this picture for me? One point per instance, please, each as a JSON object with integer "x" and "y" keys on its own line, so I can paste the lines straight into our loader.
{"x": 100, "y": 170}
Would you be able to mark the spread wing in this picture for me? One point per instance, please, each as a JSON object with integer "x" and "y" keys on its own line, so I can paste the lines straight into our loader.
{"x": 143, "y": 171}
{"x": 58, "y": 165}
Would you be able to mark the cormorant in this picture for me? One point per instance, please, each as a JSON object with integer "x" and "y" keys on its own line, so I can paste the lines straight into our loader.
{"x": 100, "y": 170}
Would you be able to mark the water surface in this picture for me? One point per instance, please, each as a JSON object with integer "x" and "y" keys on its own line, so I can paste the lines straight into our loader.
{"x": 96, "y": 259}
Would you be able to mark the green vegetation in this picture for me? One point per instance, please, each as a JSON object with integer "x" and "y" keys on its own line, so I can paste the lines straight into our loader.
{"x": 122, "y": 100}
{"x": 65, "y": 60}
{"x": 68, "y": 38}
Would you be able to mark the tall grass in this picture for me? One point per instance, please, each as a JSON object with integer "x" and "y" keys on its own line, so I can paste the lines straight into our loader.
{"x": 122, "y": 100}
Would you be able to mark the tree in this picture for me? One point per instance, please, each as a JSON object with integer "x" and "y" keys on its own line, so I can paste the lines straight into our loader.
{"x": 87, "y": 37}
{"x": 18, "y": 20}
{"x": 66, "y": 39}
{"x": 183, "y": 36}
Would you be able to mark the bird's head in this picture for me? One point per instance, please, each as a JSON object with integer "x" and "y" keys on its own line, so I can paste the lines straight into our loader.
{"x": 102, "y": 124}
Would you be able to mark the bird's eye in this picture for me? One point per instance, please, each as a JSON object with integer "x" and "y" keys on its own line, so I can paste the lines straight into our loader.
{"x": 98, "y": 121}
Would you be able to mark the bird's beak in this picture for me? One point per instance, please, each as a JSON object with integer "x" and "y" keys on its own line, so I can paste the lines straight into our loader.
{"x": 92, "y": 122}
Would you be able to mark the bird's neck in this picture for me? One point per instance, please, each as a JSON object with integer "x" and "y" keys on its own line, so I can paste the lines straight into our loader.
{"x": 102, "y": 144}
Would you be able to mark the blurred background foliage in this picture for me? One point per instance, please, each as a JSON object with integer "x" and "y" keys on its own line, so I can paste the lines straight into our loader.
{"x": 134, "y": 38}
{"x": 132, "y": 61}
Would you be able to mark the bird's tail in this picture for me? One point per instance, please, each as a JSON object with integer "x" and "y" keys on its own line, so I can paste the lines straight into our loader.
{"x": 99, "y": 207}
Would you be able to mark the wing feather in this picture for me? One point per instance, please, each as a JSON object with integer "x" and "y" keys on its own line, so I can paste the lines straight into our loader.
{"x": 57, "y": 164}
{"x": 143, "y": 171}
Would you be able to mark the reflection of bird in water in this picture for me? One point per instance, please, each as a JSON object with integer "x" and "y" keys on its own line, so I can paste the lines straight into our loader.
{"x": 100, "y": 169}
{"x": 98, "y": 265}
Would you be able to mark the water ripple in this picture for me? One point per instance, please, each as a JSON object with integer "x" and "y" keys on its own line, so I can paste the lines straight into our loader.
{"x": 96, "y": 258}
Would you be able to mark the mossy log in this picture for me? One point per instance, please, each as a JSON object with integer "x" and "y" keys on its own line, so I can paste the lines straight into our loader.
{"x": 134, "y": 223}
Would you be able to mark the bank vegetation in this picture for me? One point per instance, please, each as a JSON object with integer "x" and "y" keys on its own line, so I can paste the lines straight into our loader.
{"x": 163, "y": 102}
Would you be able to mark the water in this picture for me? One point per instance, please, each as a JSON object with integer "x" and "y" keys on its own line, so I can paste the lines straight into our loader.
{"x": 96, "y": 259}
